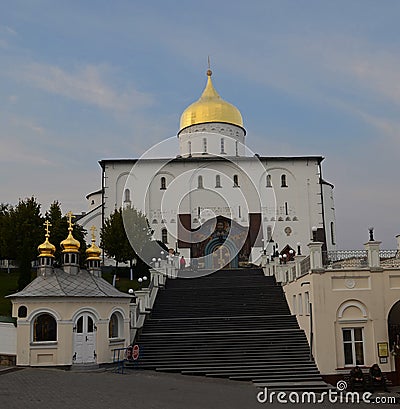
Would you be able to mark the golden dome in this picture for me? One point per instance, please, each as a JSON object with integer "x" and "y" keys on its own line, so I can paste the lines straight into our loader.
{"x": 210, "y": 107}
{"x": 46, "y": 249}
{"x": 70, "y": 244}
{"x": 93, "y": 252}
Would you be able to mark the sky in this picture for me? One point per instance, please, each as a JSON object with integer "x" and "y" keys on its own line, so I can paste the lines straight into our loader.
{"x": 86, "y": 80}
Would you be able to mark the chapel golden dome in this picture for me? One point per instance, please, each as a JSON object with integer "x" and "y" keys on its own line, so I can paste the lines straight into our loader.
{"x": 70, "y": 244}
{"x": 93, "y": 252}
{"x": 210, "y": 107}
{"x": 46, "y": 249}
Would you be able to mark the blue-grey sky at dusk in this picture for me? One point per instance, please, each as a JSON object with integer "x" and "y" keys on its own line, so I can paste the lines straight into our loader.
{"x": 85, "y": 80}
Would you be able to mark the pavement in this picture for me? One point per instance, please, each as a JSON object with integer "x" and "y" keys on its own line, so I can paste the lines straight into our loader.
{"x": 32, "y": 388}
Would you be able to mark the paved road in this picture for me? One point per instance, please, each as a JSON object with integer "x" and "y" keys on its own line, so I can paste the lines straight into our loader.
{"x": 56, "y": 389}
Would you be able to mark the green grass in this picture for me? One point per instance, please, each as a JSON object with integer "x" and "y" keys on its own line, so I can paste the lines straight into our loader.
{"x": 8, "y": 285}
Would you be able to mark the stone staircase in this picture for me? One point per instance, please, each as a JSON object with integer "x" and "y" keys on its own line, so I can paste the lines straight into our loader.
{"x": 234, "y": 324}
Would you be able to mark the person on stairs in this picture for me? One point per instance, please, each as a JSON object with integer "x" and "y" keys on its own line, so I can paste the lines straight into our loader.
{"x": 357, "y": 378}
{"x": 377, "y": 377}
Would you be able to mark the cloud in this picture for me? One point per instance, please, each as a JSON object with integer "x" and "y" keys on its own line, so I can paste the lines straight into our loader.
{"x": 86, "y": 84}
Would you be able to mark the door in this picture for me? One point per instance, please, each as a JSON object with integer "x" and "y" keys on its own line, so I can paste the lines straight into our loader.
{"x": 221, "y": 257}
{"x": 84, "y": 340}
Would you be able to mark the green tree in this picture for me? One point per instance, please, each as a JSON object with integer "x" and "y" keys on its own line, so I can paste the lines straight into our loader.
{"x": 113, "y": 238}
{"x": 24, "y": 234}
{"x": 126, "y": 236}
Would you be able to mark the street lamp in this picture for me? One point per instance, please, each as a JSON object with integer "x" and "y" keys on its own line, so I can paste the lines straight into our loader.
{"x": 371, "y": 234}
{"x": 314, "y": 233}
{"x": 311, "y": 320}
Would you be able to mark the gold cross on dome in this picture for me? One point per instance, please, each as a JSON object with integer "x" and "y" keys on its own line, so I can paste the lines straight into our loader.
{"x": 93, "y": 230}
{"x": 47, "y": 224}
{"x": 70, "y": 216}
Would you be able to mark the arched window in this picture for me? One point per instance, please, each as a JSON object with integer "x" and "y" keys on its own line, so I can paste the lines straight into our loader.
{"x": 269, "y": 181}
{"x": 283, "y": 181}
{"x": 269, "y": 233}
{"x": 235, "y": 181}
{"x": 218, "y": 181}
{"x": 204, "y": 145}
{"x": 237, "y": 148}
{"x": 44, "y": 328}
{"x": 200, "y": 182}
{"x": 223, "y": 145}
{"x": 22, "y": 311}
{"x": 333, "y": 234}
{"x": 127, "y": 195}
{"x": 163, "y": 183}
{"x": 164, "y": 236}
{"x": 115, "y": 326}
{"x": 190, "y": 148}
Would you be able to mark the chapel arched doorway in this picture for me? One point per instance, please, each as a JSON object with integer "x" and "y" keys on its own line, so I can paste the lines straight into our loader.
{"x": 84, "y": 339}
{"x": 394, "y": 337}
{"x": 221, "y": 255}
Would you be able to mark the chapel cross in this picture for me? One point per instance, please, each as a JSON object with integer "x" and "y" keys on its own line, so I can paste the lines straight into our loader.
{"x": 70, "y": 216}
{"x": 93, "y": 229}
{"x": 47, "y": 224}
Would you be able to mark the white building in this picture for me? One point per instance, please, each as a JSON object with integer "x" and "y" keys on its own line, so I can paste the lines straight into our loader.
{"x": 68, "y": 316}
{"x": 216, "y": 201}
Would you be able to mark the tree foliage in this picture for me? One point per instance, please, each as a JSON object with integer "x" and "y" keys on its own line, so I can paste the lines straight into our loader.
{"x": 21, "y": 232}
{"x": 126, "y": 235}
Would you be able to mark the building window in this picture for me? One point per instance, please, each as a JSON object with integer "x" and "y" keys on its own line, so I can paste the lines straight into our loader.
{"x": 22, "y": 312}
{"x": 200, "y": 182}
{"x": 283, "y": 181}
{"x": 44, "y": 328}
{"x": 204, "y": 145}
{"x": 294, "y": 304}
{"x": 239, "y": 212}
{"x": 269, "y": 233}
{"x": 190, "y": 148}
{"x": 235, "y": 181}
{"x": 114, "y": 326}
{"x": 237, "y": 148}
{"x": 163, "y": 183}
{"x": 218, "y": 181}
{"x": 307, "y": 302}
{"x": 300, "y": 304}
{"x": 333, "y": 233}
{"x": 353, "y": 346}
{"x": 127, "y": 195}
{"x": 269, "y": 181}
{"x": 222, "y": 145}
{"x": 164, "y": 236}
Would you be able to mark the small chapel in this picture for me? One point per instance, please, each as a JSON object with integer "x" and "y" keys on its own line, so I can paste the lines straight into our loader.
{"x": 69, "y": 316}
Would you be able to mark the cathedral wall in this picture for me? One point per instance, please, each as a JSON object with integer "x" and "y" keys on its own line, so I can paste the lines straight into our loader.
{"x": 290, "y": 207}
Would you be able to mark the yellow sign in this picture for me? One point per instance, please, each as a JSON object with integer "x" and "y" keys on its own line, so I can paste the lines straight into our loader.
{"x": 383, "y": 349}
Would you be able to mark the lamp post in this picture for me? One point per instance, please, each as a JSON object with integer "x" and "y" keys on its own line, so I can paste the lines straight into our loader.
{"x": 371, "y": 234}
{"x": 314, "y": 233}
{"x": 311, "y": 320}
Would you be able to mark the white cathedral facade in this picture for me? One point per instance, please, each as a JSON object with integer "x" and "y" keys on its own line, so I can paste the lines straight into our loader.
{"x": 216, "y": 202}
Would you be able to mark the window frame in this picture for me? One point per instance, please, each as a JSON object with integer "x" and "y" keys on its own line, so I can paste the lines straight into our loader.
{"x": 353, "y": 343}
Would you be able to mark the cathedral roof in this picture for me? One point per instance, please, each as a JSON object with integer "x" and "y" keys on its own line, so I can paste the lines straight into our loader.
{"x": 210, "y": 107}
{"x": 60, "y": 284}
